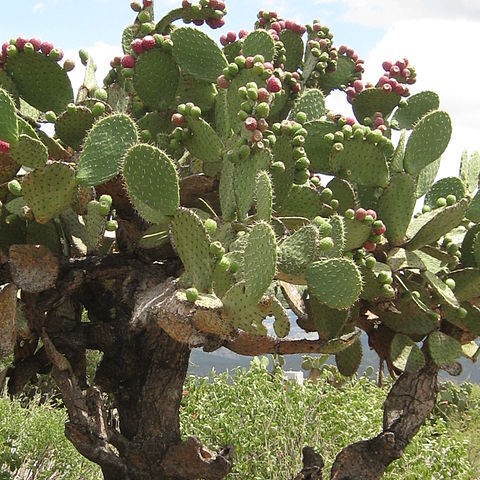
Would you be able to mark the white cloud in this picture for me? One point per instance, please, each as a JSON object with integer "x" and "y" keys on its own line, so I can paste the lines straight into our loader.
{"x": 101, "y": 53}
{"x": 441, "y": 51}
{"x": 38, "y": 7}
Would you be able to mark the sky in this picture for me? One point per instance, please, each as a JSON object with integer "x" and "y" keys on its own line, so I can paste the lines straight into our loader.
{"x": 439, "y": 37}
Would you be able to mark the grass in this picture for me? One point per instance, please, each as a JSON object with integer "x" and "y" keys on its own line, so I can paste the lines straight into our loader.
{"x": 269, "y": 422}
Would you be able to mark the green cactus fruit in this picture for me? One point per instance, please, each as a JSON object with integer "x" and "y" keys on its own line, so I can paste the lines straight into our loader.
{"x": 360, "y": 162}
{"x": 337, "y": 238}
{"x": 8, "y": 118}
{"x": 204, "y": 144}
{"x": 405, "y": 354}
{"x": 192, "y": 244}
{"x": 14, "y": 187}
{"x": 40, "y": 81}
{"x": 416, "y": 107}
{"x": 156, "y": 78}
{"x": 187, "y": 42}
{"x": 349, "y": 359}
{"x": 301, "y": 200}
{"x": 259, "y": 42}
{"x": 430, "y": 226}
{"x": 443, "y": 188}
{"x": 312, "y": 103}
{"x": 48, "y": 191}
{"x": 264, "y": 196}
{"x": 152, "y": 182}
{"x": 260, "y": 258}
{"x": 372, "y": 100}
{"x": 317, "y": 146}
{"x": 71, "y": 127}
{"x": 443, "y": 349}
{"x": 428, "y": 141}
{"x": 441, "y": 289}
{"x": 294, "y": 49}
{"x": 296, "y": 252}
{"x": 29, "y": 152}
{"x": 191, "y": 294}
{"x": 104, "y": 148}
{"x": 329, "y": 322}
{"x": 396, "y": 206}
{"x": 281, "y": 325}
{"x": 224, "y": 279}
{"x": 470, "y": 170}
{"x": 336, "y": 282}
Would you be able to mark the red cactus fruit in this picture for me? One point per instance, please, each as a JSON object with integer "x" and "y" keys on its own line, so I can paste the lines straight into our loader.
{"x": 274, "y": 84}
{"x": 360, "y": 214}
{"x": 387, "y": 88}
{"x": 128, "y": 61}
{"x": 380, "y": 231}
{"x": 37, "y": 43}
{"x": 186, "y": 4}
{"x": 148, "y": 42}
{"x": 242, "y": 33}
{"x": 251, "y": 124}
{"x": 372, "y": 213}
{"x": 263, "y": 95}
{"x": 20, "y": 43}
{"x": 369, "y": 246}
{"x": 231, "y": 37}
{"x": 296, "y": 87}
{"x": 178, "y": 119}
{"x": 46, "y": 47}
{"x": 223, "y": 40}
{"x": 387, "y": 66}
{"x": 222, "y": 82}
{"x": 137, "y": 46}
{"x": 147, "y": 3}
{"x": 4, "y": 146}
{"x": 216, "y": 4}
{"x": 215, "y": 22}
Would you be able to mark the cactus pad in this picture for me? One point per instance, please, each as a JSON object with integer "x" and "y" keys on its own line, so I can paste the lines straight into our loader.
{"x": 303, "y": 201}
{"x": 187, "y": 43}
{"x": 343, "y": 192}
{"x": 356, "y": 233}
{"x": 48, "y": 191}
{"x": 311, "y": 102}
{"x": 260, "y": 258}
{"x": 428, "y": 141}
{"x": 443, "y": 349}
{"x": 29, "y": 152}
{"x": 426, "y": 177}
{"x": 317, "y": 147}
{"x": 8, "y": 118}
{"x": 40, "y": 81}
{"x": 372, "y": 100}
{"x": 192, "y": 244}
{"x": 259, "y": 42}
{"x": 344, "y": 73}
{"x": 294, "y": 48}
{"x": 349, "y": 359}
{"x": 396, "y": 205}
{"x": 470, "y": 170}
{"x": 264, "y": 196}
{"x": 467, "y": 283}
{"x": 199, "y": 92}
{"x": 281, "y": 325}
{"x": 8, "y": 318}
{"x": 336, "y": 282}
{"x": 443, "y": 188}
{"x": 152, "y": 182}
{"x": 72, "y": 126}
{"x": 441, "y": 289}
{"x": 405, "y": 354}
{"x": 104, "y": 148}
{"x": 156, "y": 78}
{"x": 416, "y": 107}
{"x": 329, "y": 322}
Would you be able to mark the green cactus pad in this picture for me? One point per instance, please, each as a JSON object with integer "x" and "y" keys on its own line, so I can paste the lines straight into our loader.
{"x": 260, "y": 258}
{"x": 259, "y": 42}
{"x": 372, "y": 287}
{"x": 55, "y": 150}
{"x": 443, "y": 188}
{"x": 336, "y": 282}
{"x": 443, "y": 349}
{"x": 281, "y": 325}
{"x": 473, "y": 210}
{"x": 405, "y": 354}
{"x": 155, "y": 237}
{"x": 294, "y": 48}
{"x": 329, "y": 322}
{"x": 228, "y": 203}
{"x": 443, "y": 291}
{"x": 311, "y": 102}
{"x": 356, "y": 233}
{"x": 470, "y": 170}
{"x": 187, "y": 43}
{"x": 396, "y": 163}
{"x": 29, "y": 152}
{"x": 240, "y": 312}
{"x": 40, "y": 81}
{"x": 469, "y": 323}
{"x": 192, "y": 244}
{"x": 430, "y": 226}
{"x": 155, "y": 123}
{"x": 152, "y": 181}
{"x": 156, "y": 78}
{"x": 338, "y": 79}
{"x": 282, "y": 181}
{"x": 361, "y": 162}
{"x": 8, "y": 85}
{"x": 48, "y": 191}
{"x": 244, "y": 181}
{"x": 417, "y": 106}
{"x": 264, "y": 196}
{"x": 428, "y": 141}
{"x": 8, "y": 118}
{"x": 223, "y": 279}
{"x": 204, "y": 143}
{"x": 338, "y": 237}
{"x": 317, "y": 147}
{"x": 72, "y": 126}
{"x": 233, "y": 50}
{"x": 426, "y": 177}
{"x": 199, "y": 92}
{"x": 222, "y": 117}
{"x": 372, "y": 100}
{"x": 349, "y": 359}
{"x": 128, "y": 35}
{"x": 296, "y": 252}
{"x": 467, "y": 283}
{"x": 303, "y": 201}
{"x": 16, "y": 206}
{"x": 104, "y": 148}
{"x": 343, "y": 192}
{"x": 469, "y": 246}
{"x": 396, "y": 206}
{"x": 94, "y": 230}
{"x": 401, "y": 259}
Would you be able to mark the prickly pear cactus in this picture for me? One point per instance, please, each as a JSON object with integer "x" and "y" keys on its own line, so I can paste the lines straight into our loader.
{"x": 214, "y": 159}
